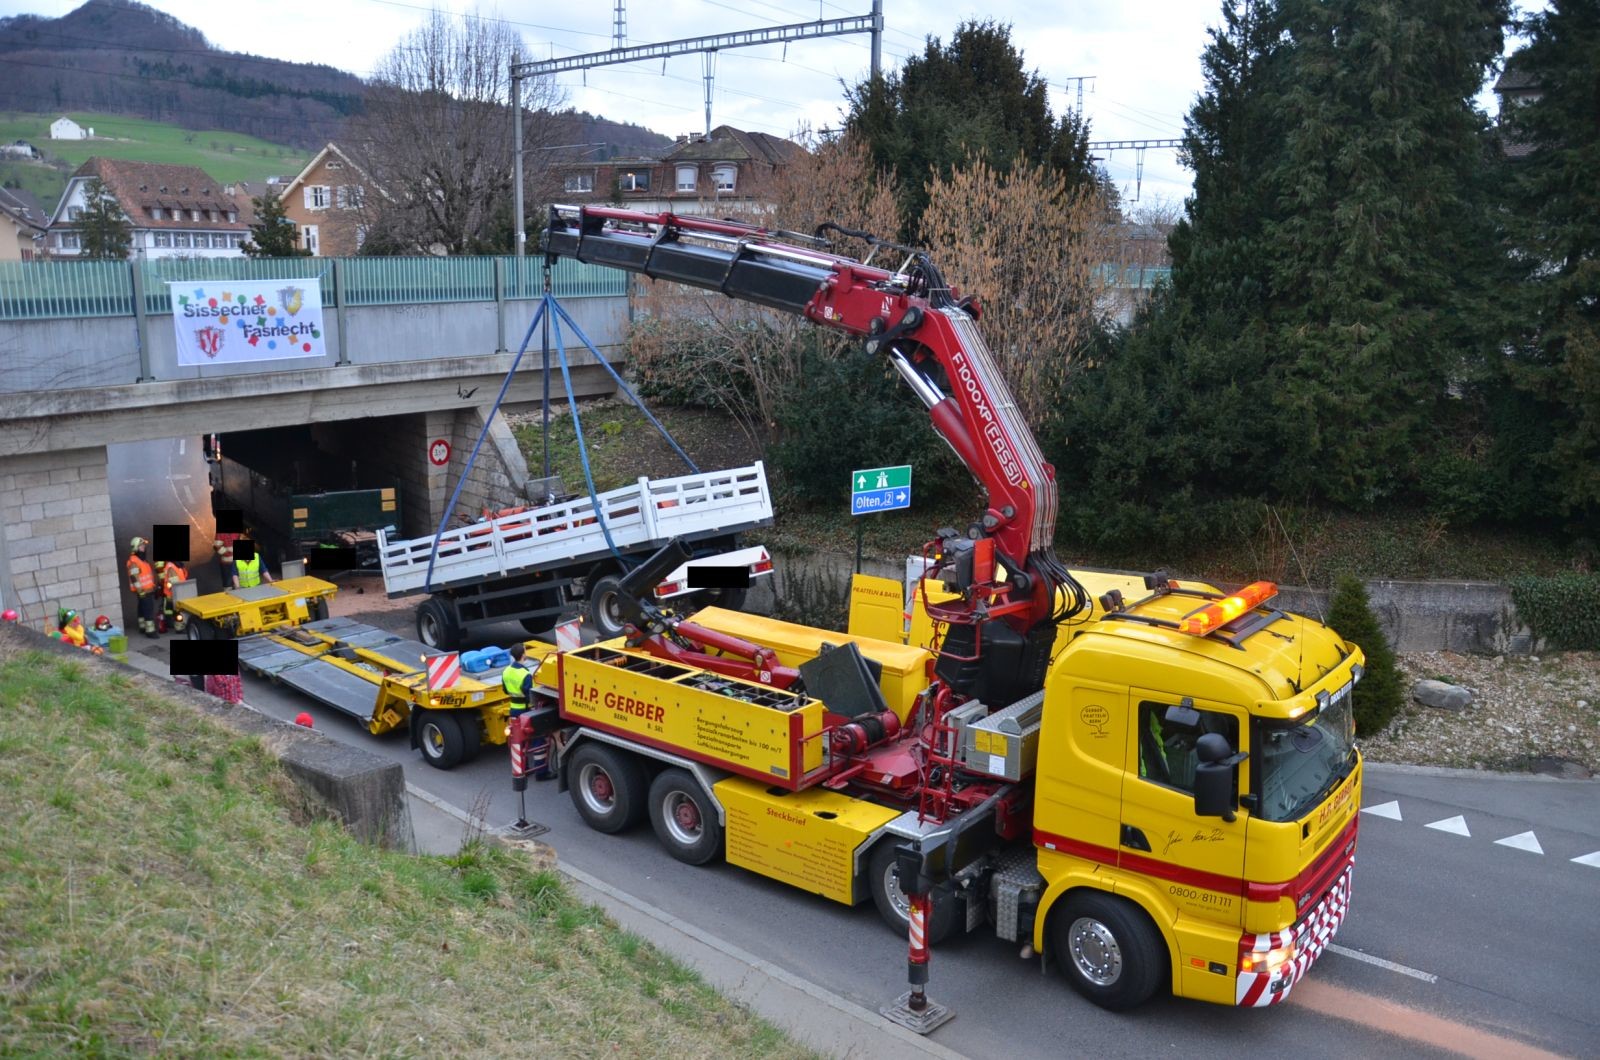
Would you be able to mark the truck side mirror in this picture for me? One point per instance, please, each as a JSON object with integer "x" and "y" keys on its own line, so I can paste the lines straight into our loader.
{"x": 1214, "y": 777}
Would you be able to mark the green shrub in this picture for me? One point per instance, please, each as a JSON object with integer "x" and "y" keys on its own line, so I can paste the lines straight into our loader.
{"x": 1378, "y": 694}
{"x": 1563, "y": 609}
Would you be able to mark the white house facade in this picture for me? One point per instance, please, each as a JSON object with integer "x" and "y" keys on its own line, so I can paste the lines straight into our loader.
{"x": 67, "y": 129}
{"x": 172, "y": 211}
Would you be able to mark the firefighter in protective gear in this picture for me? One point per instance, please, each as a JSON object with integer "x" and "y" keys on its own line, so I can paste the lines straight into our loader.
{"x": 142, "y": 583}
{"x": 517, "y": 680}
{"x": 168, "y": 575}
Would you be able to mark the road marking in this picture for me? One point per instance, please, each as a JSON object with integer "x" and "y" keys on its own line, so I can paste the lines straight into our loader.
{"x": 1522, "y": 841}
{"x": 1415, "y": 973}
{"x": 188, "y": 494}
{"x": 183, "y": 443}
{"x": 132, "y": 481}
{"x": 181, "y": 478}
{"x": 1390, "y": 810}
{"x": 1455, "y": 826}
{"x": 1591, "y": 860}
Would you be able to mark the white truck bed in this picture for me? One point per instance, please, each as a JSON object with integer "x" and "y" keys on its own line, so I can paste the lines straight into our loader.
{"x": 642, "y": 516}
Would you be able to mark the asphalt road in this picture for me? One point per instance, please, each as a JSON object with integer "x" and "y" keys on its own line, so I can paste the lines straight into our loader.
{"x": 1455, "y": 944}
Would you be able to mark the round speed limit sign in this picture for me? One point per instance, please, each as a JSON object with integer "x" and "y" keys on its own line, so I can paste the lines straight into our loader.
{"x": 439, "y": 452}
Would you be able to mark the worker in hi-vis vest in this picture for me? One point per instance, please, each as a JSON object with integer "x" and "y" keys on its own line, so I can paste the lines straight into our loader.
{"x": 251, "y": 572}
{"x": 142, "y": 584}
{"x": 517, "y": 680}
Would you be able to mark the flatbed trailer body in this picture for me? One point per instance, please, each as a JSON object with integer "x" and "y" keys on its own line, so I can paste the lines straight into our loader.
{"x": 379, "y": 678}
{"x": 530, "y": 566}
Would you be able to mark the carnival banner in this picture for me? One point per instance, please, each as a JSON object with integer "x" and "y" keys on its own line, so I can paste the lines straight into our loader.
{"x": 230, "y": 321}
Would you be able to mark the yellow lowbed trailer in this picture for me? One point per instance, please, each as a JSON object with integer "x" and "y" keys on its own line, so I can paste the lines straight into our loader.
{"x": 284, "y": 603}
{"x": 379, "y": 679}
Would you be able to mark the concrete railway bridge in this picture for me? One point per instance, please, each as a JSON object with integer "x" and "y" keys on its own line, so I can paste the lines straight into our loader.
{"x": 418, "y": 349}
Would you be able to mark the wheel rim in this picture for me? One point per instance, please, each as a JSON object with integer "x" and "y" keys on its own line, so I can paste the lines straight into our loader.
{"x": 432, "y": 740}
{"x": 611, "y": 612}
{"x": 682, "y": 818}
{"x": 428, "y": 629}
{"x": 1095, "y": 952}
{"x": 599, "y": 794}
{"x": 896, "y": 893}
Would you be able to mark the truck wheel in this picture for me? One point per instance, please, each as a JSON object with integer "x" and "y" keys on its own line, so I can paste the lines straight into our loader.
{"x": 605, "y": 606}
{"x": 684, "y": 819}
{"x": 439, "y": 737}
{"x": 608, "y": 787}
{"x": 436, "y": 625}
{"x": 1110, "y": 951}
{"x": 470, "y": 722}
{"x": 883, "y": 877}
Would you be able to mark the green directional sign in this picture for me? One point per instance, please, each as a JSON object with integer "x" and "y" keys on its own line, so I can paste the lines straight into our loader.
{"x": 880, "y": 489}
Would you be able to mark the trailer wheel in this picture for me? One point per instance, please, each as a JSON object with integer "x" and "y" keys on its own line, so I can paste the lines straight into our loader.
{"x": 894, "y": 905}
{"x": 470, "y": 722}
{"x": 317, "y": 609}
{"x": 608, "y": 787}
{"x": 200, "y": 629}
{"x": 684, "y": 819}
{"x": 439, "y": 736}
{"x": 1109, "y": 950}
{"x": 436, "y": 625}
{"x": 605, "y": 606}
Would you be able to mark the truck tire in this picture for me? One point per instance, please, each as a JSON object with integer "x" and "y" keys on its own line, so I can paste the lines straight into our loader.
{"x": 470, "y": 722}
{"x": 605, "y": 609}
{"x": 1109, "y": 950}
{"x": 437, "y": 626}
{"x": 883, "y": 878}
{"x": 608, "y": 787}
{"x": 684, "y": 819}
{"x": 440, "y": 740}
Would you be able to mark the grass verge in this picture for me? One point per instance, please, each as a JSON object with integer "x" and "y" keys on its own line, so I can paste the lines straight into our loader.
{"x": 164, "y": 887}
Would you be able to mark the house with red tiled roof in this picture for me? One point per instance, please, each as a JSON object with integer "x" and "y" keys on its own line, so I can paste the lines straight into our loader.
{"x": 173, "y": 211}
{"x": 697, "y": 173}
{"x": 327, "y": 201}
{"x": 22, "y": 226}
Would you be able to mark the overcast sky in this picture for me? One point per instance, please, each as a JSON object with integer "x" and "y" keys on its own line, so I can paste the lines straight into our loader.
{"x": 1144, "y": 59}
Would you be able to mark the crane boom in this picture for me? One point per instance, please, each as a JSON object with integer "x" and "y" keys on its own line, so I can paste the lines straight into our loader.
{"x": 908, "y": 315}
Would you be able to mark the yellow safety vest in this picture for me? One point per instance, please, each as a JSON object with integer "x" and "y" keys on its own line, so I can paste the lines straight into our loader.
{"x": 511, "y": 679}
{"x": 249, "y": 571}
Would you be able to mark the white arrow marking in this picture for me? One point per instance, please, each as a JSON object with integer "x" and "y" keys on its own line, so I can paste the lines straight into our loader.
{"x": 1456, "y": 826}
{"x": 861, "y": 482}
{"x": 1522, "y": 841}
{"x": 1591, "y": 860}
{"x": 1390, "y": 810}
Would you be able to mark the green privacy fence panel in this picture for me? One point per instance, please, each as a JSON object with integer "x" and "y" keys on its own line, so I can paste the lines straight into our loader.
{"x": 206, "y": 273}
{"x": 43, "y": 290}
{"x": 569, "y": 279}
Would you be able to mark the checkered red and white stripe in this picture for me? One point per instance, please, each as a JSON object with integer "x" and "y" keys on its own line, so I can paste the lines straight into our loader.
{"x": 443, "y": 671}
{"x": 1311, "y": 936}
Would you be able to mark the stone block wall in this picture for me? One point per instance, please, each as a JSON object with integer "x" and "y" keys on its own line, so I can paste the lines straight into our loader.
{"x": 56, "y": 542}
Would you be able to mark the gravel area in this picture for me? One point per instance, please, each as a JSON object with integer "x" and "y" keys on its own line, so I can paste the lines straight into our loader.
{"x": 1528, "y": 713}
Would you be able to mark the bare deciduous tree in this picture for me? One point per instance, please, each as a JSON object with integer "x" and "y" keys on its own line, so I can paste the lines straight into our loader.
{"x": 737, "y": 356}
{"x": 437, "y": 134}
{"x": 1035, "y": 254}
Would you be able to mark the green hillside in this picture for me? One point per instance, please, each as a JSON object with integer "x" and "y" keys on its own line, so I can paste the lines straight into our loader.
{"x": 224, "y": 155}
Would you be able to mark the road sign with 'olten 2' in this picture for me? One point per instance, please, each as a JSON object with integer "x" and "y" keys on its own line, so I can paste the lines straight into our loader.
{"x": 880, "y": 489}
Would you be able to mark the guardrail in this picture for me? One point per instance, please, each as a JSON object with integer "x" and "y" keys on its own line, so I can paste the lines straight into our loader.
{"x": 56, "y": 290}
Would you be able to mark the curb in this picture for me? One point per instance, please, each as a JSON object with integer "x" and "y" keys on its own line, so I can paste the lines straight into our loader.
{"x": 1450, "y": 773}
{"x": 801, "y": 1015}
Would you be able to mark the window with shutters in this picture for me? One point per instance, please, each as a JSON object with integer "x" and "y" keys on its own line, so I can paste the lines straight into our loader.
{"x": 724, "y": 177}
{"x": 687, "y": 176}
{"x": 350, "y": 196}
{"x": 316, "y": 196}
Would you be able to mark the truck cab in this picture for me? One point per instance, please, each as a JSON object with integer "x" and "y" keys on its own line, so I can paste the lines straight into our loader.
{"x": 1202, "y": 789}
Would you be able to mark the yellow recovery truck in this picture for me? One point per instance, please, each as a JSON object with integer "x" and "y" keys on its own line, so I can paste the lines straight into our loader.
{"x": 1142, "y": 780}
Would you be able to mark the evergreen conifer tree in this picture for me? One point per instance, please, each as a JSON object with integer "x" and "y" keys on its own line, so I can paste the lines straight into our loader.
{"x": 1378, "y": 695}
{"x": 1556, "y": 198}
{"x": 102, "y": 227}
{"x": 272, "y": 235}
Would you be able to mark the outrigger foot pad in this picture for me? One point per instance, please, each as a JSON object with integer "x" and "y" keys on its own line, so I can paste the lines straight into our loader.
{"x": 523, "y": 829}
{"x": 930, "y": 1018}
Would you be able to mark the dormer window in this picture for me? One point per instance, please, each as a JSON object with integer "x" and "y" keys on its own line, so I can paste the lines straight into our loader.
{"x": 723, "y": 177}
{"x": 155, "y": 213}
{"x": 163, "y": 189}
{"x": 687, "y": 176}
{"x": 233, "y": 216}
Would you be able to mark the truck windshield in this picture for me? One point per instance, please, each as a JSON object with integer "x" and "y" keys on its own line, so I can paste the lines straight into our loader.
{"x": 1298, "y": 763}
